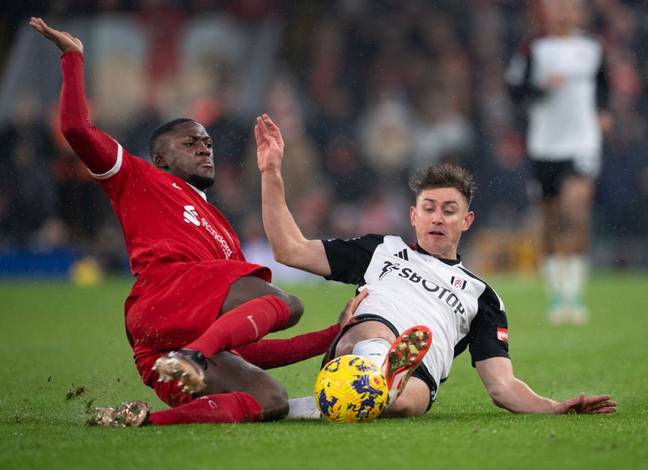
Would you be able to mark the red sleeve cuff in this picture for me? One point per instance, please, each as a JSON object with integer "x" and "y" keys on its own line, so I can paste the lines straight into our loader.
{"x": 71, "y": 55}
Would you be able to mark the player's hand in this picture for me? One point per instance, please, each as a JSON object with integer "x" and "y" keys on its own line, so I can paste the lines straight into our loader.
{"x": 554, "y": 82}
{"x": 64, "y": 41}
{"x": 351, "y": 307}
{"x": 587, "y": 405}
{"x": 606, "y": 122}
{"x": 270, "y": 144}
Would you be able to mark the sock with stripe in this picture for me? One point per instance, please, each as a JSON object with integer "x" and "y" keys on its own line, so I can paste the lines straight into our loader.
{"x": 243, "y": 325}
{"x": 375, "y": 349}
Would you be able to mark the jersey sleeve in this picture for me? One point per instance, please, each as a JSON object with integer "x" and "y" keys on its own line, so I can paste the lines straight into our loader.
{"x": 101, "y": 154}
{"x": 349, "y": 259}
{"x": 519, "y": 73}
{"x": 489, "y": 329}
{"x": 602, "y": 84}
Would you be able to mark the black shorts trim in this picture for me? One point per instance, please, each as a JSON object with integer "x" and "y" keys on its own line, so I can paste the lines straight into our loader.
{"x": 421, "y": 372}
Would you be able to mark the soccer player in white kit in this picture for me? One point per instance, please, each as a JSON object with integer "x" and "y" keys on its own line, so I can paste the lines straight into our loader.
{"x": 561, "y": 76}
{"x": 423, "y": 283}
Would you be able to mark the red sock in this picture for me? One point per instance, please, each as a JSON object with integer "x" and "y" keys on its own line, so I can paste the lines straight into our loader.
{"x": 243, "y": 325}
{"x": 237, "y": 407}
{"x": 269, "y": 353}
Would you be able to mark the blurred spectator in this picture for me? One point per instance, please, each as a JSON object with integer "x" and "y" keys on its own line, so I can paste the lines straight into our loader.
{"x": 365, "y": 91}
{"x": 28, "y": 192}
{"x": 386, "y": 136}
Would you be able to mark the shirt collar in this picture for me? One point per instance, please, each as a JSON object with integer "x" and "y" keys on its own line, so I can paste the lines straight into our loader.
{"x": 202, "y": 193}
{"x": 450, "y": 262}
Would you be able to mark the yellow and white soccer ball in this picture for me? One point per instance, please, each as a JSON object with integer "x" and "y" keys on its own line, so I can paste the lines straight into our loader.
{"x": 351, "y": 389}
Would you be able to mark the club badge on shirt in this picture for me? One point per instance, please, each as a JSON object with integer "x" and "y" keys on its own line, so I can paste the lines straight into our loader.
{"x": 458, "y": 283}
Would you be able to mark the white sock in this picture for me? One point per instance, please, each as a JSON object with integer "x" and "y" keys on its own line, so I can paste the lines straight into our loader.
{"x": 576, "y": 273}
{"x": 375, "y": 349}
{"x": 303, "y": 408}
{"x": 553, "y": 270}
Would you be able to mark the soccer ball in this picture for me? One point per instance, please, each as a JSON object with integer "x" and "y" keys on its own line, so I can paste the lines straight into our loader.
{"x": 351, "y": 389}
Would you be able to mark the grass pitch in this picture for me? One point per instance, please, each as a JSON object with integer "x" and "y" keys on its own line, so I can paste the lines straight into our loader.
{"x": 64, "y": 350}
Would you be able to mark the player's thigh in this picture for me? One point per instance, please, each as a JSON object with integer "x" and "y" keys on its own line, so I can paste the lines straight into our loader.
{"x": 251, "y": 287}
{"x": 576, "y": 195}
{"x": 360, "y": 332}
{"x": 227, "y": 372}
{"x": 413, "y": 401}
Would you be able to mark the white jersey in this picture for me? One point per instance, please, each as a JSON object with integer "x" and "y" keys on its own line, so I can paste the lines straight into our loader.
{"x": 563, "y": 124}
{"x": 409, "y": 287}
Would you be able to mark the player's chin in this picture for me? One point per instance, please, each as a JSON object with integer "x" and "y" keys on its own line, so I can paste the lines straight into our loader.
{"x": 202, "y": 181}
{"x": 441, "y": 247}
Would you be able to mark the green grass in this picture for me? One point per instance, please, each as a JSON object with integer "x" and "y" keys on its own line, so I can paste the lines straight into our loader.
{"x": 57, "y": 338}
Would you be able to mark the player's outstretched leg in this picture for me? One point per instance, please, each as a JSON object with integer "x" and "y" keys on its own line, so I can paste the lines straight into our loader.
{"x": 236, "y": 407}
{"x": 128, "y": 414}
{"x": 252, "y": 309}
{"x": 404, "y": 356}
{"x": 185, "y": 366}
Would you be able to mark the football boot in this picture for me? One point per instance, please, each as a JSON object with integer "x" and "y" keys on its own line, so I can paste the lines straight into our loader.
{"x": 404, "y": 356}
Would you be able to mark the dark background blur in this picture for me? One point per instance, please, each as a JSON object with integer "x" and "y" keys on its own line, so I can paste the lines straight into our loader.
{"x": 365, "y": 93}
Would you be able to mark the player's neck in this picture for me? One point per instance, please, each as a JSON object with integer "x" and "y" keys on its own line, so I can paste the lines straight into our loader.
{"x": 562, "y": 32}
{"x": 448, "y": 259}
{"x": 200, "y": 192}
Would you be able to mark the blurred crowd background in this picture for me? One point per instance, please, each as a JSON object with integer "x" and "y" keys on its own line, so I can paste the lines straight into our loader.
{"x": 365, "y": 91}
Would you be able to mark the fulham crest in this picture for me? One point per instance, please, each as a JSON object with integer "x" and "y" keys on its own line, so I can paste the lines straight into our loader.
{"x": 458, "y": 283}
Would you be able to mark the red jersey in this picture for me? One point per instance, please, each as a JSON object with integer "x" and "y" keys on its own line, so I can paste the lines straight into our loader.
{"x": 163, "y": 218}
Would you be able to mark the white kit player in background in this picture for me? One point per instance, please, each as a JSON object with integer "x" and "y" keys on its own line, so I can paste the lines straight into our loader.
{"x": 424, "y": 283}
{"x": 561, "y": 76}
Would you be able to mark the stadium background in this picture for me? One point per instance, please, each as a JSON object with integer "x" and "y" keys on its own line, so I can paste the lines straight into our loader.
{"x": 364, "y": 91}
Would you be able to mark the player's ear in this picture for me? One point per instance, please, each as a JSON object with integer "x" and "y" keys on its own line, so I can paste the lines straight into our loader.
{"x": 468, "y": 220}
{"x": 160, "y": 161}
{"x": 412, "y": 215}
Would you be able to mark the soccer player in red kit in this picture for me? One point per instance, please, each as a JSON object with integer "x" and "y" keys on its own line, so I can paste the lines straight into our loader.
{"x": 197, "y": 311}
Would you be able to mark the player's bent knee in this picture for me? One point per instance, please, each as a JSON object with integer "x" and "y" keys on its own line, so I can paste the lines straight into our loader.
{"x": 404, "y": 409}
{"x": 366, "y": 330}
{"x": 343, "y": 347}
{"x": 296, "y": 307}
{"x": 273, "y": 401}
{"x": 414, "y": 401}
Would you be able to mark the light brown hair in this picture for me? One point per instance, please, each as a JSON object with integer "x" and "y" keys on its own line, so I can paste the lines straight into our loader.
{"x": 444, "y": 175}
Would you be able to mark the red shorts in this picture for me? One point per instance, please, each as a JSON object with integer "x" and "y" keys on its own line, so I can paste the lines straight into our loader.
{"x": 172, "y": 304}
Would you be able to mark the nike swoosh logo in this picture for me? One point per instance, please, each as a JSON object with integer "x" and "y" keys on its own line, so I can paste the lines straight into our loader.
{"x": 256, "y": 330}
{"x": 175, "y": 185}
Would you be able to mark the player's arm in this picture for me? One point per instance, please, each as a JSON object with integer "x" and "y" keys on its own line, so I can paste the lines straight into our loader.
{"x": 519, "y": 76}
{"x": 605, "y": 118}
{"x": 289, "y": 246}
{"x": 511, "y": 393}
{"x": 100, "y": 153}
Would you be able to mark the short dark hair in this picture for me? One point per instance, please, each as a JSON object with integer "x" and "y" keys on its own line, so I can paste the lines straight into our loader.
{"x": 444, "y": 175}
{"x": 162, "y": 130}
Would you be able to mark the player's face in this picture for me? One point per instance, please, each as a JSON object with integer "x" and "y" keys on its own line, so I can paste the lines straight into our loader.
{"x": 439, "y": 218}
{"x": 189, "y": 154}
{"x": 564, "y": 15}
